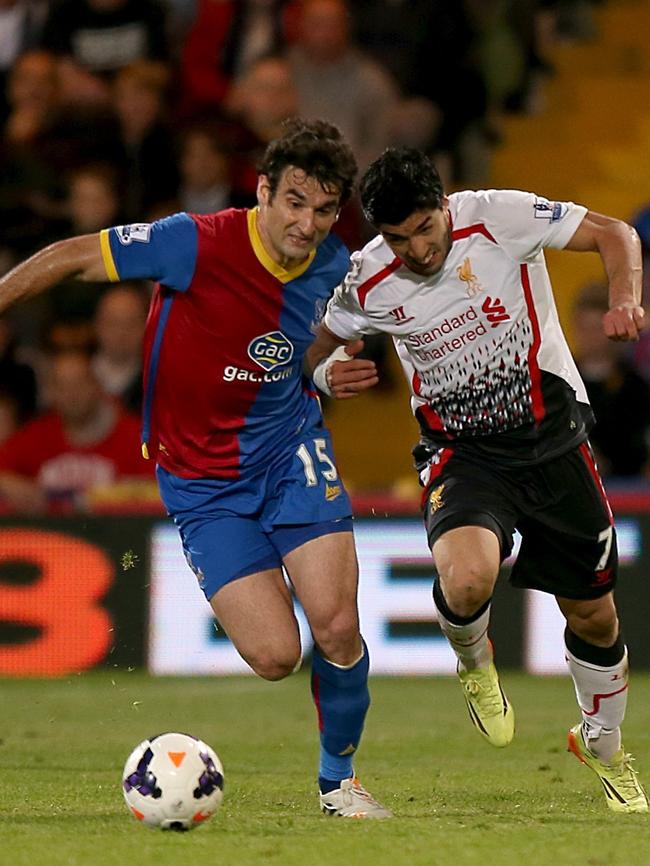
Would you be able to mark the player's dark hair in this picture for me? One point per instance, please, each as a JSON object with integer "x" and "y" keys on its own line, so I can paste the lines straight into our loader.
{"x": 316, "y": 147}
{"x": 401, "y": 181}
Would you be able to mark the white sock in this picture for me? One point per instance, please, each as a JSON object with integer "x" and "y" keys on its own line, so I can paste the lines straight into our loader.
{"x": 470, "y": 642}
{"x": 601, "y": 693}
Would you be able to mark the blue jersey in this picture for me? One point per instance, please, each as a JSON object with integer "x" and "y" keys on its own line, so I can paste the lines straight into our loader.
{"x": 225, "y": 340}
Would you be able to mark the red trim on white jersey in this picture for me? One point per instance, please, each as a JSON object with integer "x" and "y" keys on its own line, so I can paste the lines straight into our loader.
{"x": 434, "y": 421}
{"x": 539, "y": 410}
{"x": 372, "y": 281}
{"x": 435, "y": 471}
{"x": 477, "y": 228}
{"x": 588, "y": 457}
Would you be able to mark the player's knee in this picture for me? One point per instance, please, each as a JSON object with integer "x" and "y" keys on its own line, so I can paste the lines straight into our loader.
{"x": 274, "y": 666}
{"x": 467, "y": 586}
{"x": 338, "y": 637}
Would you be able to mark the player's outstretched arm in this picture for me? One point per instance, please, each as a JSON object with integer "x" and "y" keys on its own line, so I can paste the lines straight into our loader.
{"x": 79, "y": 257}
{"x": 619, "y": 247}
{"x": 331, "y": 363}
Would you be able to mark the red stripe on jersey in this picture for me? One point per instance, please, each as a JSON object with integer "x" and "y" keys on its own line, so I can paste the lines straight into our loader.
{"x": 197, "y": 414}
{"x": 434, "y": 421}
{"x": 371, "y": 282}
{"x": 539, "y": 409}
{"x": 588, "y": 457}
{"x": 416, "y": 384}
{"x": 436, "y": 468}
{"x": 477, "y": 229}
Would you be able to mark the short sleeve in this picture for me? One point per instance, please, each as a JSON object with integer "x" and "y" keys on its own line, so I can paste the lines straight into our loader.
{"x": 164, "y": 251}
{"x": 524, "y": 223}
{"x": 344, "y": 316}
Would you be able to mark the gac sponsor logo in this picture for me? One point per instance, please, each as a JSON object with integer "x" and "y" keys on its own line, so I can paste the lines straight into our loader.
{"x": 238, "y": 374}
{"x": 140, "y": 232}
{"x": 270, "y": 350}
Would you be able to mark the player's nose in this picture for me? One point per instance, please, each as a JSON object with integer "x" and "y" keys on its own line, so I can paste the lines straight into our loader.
{"x": 418, "y": 249}
{"x": 307, "y": 222}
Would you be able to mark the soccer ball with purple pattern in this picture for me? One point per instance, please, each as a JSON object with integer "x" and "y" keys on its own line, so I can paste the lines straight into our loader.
{"x": 173, "y": 782}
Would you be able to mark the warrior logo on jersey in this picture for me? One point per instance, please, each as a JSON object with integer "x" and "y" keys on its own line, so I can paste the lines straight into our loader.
{"x": 271, "y": 350}
{"x": 400, "y": 317}
{"x": 553, "y": 211}
{"x": 465, "y": 274}
{"x": 135, "y": 232}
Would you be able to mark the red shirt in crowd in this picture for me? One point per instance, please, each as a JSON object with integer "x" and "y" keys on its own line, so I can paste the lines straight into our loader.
{"x": 41, "y": 451}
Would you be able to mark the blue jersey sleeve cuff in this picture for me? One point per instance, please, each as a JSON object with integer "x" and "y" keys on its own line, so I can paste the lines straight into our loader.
{"x": 164, "y": 251}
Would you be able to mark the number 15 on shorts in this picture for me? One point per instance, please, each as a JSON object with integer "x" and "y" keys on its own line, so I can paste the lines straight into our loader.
{"x": 322, "y": 463}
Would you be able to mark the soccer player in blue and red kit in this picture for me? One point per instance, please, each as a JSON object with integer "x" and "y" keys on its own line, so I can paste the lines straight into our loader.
{"x": 244, "y": 462}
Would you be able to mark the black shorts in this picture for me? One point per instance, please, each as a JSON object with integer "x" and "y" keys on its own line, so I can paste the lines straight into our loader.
{"x": 560, "y": 508}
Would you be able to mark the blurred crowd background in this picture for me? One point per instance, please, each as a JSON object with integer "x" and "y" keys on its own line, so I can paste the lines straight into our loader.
{"x": 117, "y": 111}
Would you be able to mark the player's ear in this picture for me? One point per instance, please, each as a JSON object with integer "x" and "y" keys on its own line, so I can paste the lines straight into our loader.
{"x": 263, "y": 190}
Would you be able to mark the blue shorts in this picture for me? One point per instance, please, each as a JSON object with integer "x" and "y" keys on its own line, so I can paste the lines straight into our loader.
{"x": 231, "y": 528}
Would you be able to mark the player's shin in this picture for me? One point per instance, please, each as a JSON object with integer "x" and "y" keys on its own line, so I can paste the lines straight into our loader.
{"x": 468, "y": 637}
{"x": 600, "y": 679}
{"x": 342, "y": 699}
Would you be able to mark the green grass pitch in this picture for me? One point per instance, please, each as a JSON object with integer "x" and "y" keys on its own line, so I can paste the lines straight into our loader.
{"x": 457, "y": 801}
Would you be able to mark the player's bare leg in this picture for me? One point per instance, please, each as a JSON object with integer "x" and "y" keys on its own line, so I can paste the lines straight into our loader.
{"x": 597, "y": 659}
{"x": 467, "y": 559}
{"x": 324, "y": 574}
{"x": 256, "y": 612}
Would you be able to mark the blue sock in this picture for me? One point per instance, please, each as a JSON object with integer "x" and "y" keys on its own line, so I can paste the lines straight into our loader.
{"x": 342, "y": 700}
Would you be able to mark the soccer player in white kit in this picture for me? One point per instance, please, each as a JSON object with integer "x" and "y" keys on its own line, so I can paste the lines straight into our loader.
{"x": 461, "y": 285}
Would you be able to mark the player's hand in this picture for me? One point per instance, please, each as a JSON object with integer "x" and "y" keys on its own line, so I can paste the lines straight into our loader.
{"x": 624, "y": 322}
{"x": 349, "y": 378}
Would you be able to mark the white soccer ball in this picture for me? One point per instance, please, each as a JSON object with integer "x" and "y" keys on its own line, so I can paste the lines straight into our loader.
{"x": 173, "y": 782}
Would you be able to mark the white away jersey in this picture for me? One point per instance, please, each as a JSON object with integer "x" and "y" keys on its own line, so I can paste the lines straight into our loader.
{"x": 480, "y": 341}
